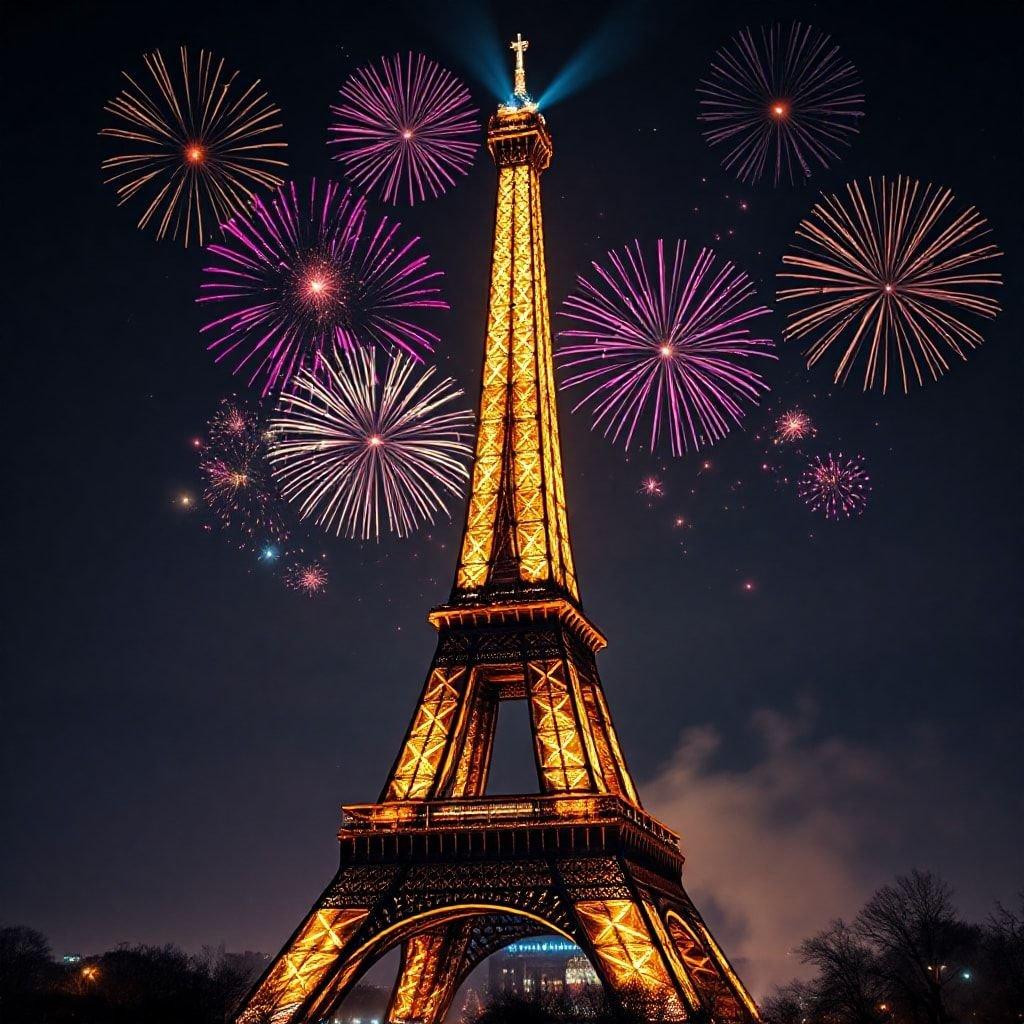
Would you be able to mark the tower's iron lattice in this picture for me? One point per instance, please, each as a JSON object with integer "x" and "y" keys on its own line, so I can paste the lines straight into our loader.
{"x": 437, "y": 868}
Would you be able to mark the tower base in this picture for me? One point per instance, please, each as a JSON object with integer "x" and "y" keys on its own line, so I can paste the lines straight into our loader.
{"x": 450, "y": 882}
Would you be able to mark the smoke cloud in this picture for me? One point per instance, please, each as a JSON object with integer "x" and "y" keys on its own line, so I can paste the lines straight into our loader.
{"x": 808, "y": 829}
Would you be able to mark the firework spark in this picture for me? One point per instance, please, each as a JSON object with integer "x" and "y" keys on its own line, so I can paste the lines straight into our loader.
{"x": 405, "y": 130}
{"x": 888, "y": 275}
{"x": 240, "y": 489}
{"x": 195, "y": 145}
{"x": 652, "y": 487}
{"x": 307, "y": 578}
{"x": 303, "y": 275}
{"x": 668, "y": 347}
{"x": 836, "y": 485}
{"x": 787, "y": 100}
{"x": 352, "y": 451}
{"x": 794, "y": 425}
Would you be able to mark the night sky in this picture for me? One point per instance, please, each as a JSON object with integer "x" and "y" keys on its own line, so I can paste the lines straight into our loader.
{"x": 179, "y": 729}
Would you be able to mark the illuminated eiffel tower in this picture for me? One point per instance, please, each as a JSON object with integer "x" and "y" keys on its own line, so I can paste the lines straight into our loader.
{"x": 438, "y": 868}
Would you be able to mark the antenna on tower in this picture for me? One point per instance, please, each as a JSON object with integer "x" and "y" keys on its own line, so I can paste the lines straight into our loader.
{"x": 520, "y": 99}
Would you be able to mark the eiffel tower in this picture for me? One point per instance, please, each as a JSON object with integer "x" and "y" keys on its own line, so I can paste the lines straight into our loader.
{"x": 438, "y": 868}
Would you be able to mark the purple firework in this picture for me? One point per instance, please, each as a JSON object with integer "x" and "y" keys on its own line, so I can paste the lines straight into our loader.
{"x": 405, "y": 130}
{"x": 301, "y": 275}
{"x": 837, "y": 486}
{"x": 787, "y": 100}
{"x": 667, "y": 348}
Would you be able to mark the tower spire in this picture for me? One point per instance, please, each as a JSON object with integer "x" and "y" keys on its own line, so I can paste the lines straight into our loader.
{"x": 520, "y": 46}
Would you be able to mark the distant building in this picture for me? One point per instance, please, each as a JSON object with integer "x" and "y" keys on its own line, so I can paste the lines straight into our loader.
{"x": 546, "y": 965}
{"x": 71, "y": 958}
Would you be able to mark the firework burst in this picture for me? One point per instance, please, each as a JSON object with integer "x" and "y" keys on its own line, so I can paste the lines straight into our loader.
{"x": 351, "y": 450}
{"x": 304, "y": 274}
{"x": 309, "y": 578}
{"x": 405, "y": 130}
{"x": 794, "y": 425}
{"x": 239, "y": 487}
{"x": 889, "y": 276}
{"x": 786, "y": 101}
{"x": 194, "y": 145}
{"x": 652, "y": 487}
{"x": 666, "y": 347}
{"x": 835, "y": 485}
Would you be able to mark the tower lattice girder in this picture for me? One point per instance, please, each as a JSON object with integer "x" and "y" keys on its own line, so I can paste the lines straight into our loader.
{"x": 436, "y": 867}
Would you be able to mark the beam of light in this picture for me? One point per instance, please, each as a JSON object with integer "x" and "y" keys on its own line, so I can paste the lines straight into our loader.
{"x": 193, "y": 145}
{"x": 663, "y": 349}
{"x": 471, "y": 34}
{"x": 310, "y": 270}
{"x": 610, "y": 46}
{"x": 355, "y": 447}
{"x": 889, "y": 276}
{"x": 782, "y": 102}
{"x": 405, "y": 129}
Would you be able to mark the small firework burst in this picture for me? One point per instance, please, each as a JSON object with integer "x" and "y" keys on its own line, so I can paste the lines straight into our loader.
{"x": 308, "y": 272}
{"x": 667, "y": 346}
{"x": 234, "y": 423}
{"x": 195, "y": 145}
{"x": 786, "y": 100}
{"x": 652, "y": 487}
{"x": 794, "y": 425}
{"x": 239, "y": 487}
{"x": 353, "y": 450}
{"x": 837, "y": 486}
{"x": 309, "y": 578}
{"x": 405, "y": 130}
{"x": 890, "y": 277}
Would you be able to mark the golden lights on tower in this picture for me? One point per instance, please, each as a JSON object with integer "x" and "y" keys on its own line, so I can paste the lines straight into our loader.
{"x": 437, "y": 865}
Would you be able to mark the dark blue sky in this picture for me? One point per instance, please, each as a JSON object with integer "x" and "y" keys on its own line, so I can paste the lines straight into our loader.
{"x": 179, "y": 729}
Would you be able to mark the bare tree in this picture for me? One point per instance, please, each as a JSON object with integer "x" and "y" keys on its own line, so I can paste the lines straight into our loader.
{"x": 1003, "y": 967}
{"x": 848, "y": 982}
{"x": 923, "y": 948}
{"x": 789, "y": 1004}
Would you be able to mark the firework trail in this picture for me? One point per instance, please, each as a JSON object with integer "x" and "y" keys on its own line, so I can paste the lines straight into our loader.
{"x": 195, "y": 145}
{"x": 405, "y": 130}
{"x": 307, "y": 272}
{"x": 352, "y": 450}
{"x": 307, "y": 578}
{"x": 835, "y": 485}
{"x": 785, "y": 101}
{"x": 666, "y": 347}
{"x": 239, "y": 487}
{"x": 888, "y": 276}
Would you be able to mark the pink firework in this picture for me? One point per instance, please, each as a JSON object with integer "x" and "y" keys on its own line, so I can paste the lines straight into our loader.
{"x": 232, "y": 423}
{"x": 794, "y": 425}
{"x": 652, "y": 487}
{"x": 240, "y": 489}
{"x": 405, "y": 130}
{"x": 786, "y": 101}
{"x": 307, "y": 578}
{"x": 307, "y": 272}
{"x": 836, "y": 485}
{"x": 664, "y": 351}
